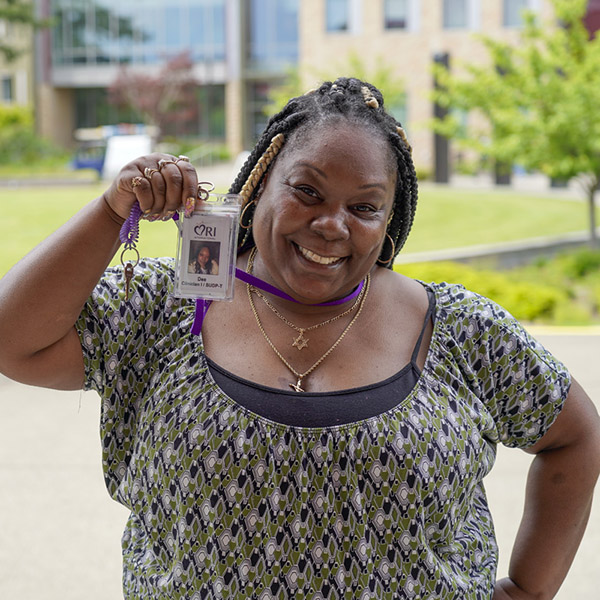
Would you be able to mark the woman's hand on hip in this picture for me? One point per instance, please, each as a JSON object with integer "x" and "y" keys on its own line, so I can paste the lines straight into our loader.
{"x": 161, "y": 183}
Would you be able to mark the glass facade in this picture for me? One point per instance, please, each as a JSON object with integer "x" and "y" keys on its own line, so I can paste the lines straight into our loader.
{"x": 129, "y": 31}
{"x": 90, "y": 39}
{"x": 396, "y": 14}
{"x": 257, "y": 97}
{"x": 272, "y": 34}
{"x": 456, "y": 14}
{"x": 93, "y": 109}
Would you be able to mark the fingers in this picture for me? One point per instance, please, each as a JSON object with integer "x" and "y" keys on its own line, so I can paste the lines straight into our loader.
{"x": 164, "y": 184}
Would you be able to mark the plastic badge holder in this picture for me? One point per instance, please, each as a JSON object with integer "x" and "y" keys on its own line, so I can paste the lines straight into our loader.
{"x": 206, "y": 249}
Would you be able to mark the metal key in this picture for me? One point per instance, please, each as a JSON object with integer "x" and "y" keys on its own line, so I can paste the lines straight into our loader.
{"x": 128, "y": 273}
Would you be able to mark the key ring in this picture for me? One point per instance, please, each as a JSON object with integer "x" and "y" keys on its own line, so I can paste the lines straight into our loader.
{"x": 204, "y": 193}
{"x": 132, "y": 249}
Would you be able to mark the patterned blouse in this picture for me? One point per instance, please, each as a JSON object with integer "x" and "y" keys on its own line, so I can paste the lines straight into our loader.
{"x": 228, "y": 504}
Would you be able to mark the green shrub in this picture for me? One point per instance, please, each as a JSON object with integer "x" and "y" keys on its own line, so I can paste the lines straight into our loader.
{"x": 526, "y": 301}
{"x": 579, "y": 263}
{"x": 20, "y": 144}
{"x": 15, "y": 115}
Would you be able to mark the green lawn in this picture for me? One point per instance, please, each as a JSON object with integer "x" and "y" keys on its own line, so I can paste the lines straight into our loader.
{"x": 451, "y": 218}
{"x": 445, "y": 218}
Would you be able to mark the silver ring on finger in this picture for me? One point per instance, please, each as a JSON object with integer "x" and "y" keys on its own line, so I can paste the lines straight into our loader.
{"x": 166, "y": 161}
{"x": 149, "y": 171}
{"x": 204, "y": 192}
{"x": 183, "y": 158}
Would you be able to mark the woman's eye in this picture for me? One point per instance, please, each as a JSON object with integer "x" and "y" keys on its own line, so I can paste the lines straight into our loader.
{"x": 364, "y": 208}
{"x": 308, "y": 191}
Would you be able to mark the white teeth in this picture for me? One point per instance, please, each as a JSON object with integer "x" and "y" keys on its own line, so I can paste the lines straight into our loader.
{"x": 322, "y": 260}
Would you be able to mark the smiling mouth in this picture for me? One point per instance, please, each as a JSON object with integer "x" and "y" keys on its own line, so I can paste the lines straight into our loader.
{"x": 317, "y": 258}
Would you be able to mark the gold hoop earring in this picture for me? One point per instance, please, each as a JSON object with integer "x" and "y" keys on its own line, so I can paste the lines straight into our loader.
{"x": 386, "y": 262}
{"x": 242, "y": 226}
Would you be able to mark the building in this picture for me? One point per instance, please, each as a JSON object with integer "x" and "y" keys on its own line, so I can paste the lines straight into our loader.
{"x": 407, "y": 35}
{"x": 16, "y": 77}
{"x": 239, "y": 48}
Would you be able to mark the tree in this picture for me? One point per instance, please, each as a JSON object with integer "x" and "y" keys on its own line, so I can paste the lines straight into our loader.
{"x": 169, "y": 97}
{"x": 536, "y": 102}
{"x": 17, "y": 12}
{"x": 382, "y": 77}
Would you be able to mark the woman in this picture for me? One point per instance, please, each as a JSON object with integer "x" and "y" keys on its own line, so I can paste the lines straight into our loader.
{"x": 202, "y": 264}
{"x": 328, "y": 446}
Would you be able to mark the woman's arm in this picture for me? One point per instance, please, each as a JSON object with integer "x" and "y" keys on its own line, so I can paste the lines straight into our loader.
{"x": 42, "y": 296}
{"x": 557, "y": 502}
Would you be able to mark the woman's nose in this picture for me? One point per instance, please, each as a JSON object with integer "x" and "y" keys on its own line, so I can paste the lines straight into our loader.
{"x": 331, "y": 225}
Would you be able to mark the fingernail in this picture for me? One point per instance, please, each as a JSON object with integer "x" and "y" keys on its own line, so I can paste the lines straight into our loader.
{"x": 147, "y": 211}
{"x": 189, "y": 206}
{"x": 153, "y": 218}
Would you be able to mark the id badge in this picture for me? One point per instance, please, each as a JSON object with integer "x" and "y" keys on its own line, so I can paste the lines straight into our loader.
{"x": 206, "y": 249}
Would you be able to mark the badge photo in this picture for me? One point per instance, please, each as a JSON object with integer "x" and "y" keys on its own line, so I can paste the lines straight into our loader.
{"x": 206, "y": 249}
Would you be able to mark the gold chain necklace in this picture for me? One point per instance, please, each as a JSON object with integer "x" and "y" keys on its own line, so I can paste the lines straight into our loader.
{"x": 301, "y": 341}
{"x": 300, "y": 376}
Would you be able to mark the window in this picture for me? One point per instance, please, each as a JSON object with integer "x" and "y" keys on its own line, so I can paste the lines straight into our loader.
{"x": 117, "y": 31}
{"x": 7, "y": 89}
{"x": 512, "y": 13}
{"x": 337, "y": 17}
{"x": 272, "y": 34}
{"x": 396, "y": 14}
{"x": 456, "y": 14}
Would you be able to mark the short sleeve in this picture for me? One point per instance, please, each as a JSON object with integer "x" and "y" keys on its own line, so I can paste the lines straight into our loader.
{"x": 116, "y": 334}
{"x": 521, "y": 384}
{"x": 123, "y": 342}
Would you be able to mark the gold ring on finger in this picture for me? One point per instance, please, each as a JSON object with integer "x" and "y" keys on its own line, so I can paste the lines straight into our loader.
{"x": 149, "y": 171}
{"x": 183, "y": 158}
{"x": 136, "y": 181}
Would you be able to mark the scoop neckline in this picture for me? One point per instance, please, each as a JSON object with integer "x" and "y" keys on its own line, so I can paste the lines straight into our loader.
{"x": 276, "y": 424}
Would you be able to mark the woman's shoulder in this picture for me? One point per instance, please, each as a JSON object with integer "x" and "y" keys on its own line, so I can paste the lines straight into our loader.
{"x": 450, "y": 298}
{"x": 455, "y": 304}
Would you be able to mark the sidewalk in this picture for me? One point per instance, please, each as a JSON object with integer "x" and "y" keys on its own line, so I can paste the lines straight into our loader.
{"x": 61, "y": 532}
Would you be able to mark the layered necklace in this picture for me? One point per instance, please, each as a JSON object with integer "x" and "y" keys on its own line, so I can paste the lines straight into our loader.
{"x": 301, "y": 341}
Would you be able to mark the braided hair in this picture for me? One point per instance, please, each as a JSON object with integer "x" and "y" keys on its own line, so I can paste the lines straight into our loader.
{"x": 359, "y": 102}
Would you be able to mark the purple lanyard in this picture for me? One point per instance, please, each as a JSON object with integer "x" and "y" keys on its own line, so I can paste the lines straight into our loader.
{"x": 202, "y": 304}
{"x": 129, "y": 235}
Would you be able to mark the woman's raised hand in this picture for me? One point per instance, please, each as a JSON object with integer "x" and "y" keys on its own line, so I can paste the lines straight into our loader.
{"x": 161, "y": 183}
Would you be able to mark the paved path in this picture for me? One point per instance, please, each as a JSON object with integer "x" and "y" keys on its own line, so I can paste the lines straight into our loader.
{"x": 60, "y": 532}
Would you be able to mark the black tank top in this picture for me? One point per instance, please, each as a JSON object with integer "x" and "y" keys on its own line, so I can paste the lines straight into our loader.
{"x": 315, "y": 409}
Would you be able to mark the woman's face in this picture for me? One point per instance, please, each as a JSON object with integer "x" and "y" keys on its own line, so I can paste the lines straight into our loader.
{"x": 321, "y": 219}
{"x": 203, "y": 256}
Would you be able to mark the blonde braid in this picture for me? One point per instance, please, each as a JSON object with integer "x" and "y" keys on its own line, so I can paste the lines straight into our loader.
{"x": 260, "y": 167}
{"x": 370, "y": 100}
{"x": 400, "y": 131}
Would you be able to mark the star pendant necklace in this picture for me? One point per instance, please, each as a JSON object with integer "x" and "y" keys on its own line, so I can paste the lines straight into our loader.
{"x": 360, "y": 302}
{"x": 301, "y": 341}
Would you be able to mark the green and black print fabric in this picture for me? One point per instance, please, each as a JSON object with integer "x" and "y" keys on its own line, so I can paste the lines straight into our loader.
{"x": 227, "y": 504}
